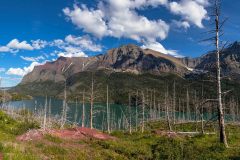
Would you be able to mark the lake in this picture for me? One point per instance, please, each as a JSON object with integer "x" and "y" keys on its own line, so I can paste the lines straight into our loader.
{"x": 120, "y": 115}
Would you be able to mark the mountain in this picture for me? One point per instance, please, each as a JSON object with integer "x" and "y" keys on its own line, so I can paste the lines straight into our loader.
{"x": 128, "y": 68}
{"x": 128, "y": 58}
{"x": 229, "y": 57}
{"x": 230, "y": 61}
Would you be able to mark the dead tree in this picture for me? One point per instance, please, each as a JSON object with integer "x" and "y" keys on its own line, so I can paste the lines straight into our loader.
{"x": 91, "y": 104}
{"x": 143, "y": 111}
{"x": 49, "y": 110}
{"x": 167, "y": 110}
{"x": 223, "y": 138}
{"x": 174, "y": 102}
{"x": 129, "y": 113}
{"x": 196, "y": 108}
{"x": 108, "y": 113}
{"x": 136, "y": 111}
{"x": 93, "y": 96}
{"x": 188, "y": 107}
{"x": 76, "y": 112}
{"x": 64, "y": 107}
{"x": 83, "y": 109}
{"x": 202, "y": 114}
{"x": 45, "y": 114}
{"x": 154, "y": 105}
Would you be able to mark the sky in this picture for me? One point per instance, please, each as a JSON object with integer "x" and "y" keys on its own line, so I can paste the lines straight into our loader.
{"x": 33, "y": 32}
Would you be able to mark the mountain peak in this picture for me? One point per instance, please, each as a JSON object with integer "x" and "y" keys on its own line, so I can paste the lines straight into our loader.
{"x": 236, "y": 44}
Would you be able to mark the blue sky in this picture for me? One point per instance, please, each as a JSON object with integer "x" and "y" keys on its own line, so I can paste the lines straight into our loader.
{"x": 35, "y": 31}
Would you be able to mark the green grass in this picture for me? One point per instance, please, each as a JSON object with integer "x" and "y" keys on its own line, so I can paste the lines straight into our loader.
{"x": 139, "y": 146}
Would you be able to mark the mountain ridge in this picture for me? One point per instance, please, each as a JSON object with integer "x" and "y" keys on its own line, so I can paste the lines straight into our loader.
{"x": 127, "y": 58}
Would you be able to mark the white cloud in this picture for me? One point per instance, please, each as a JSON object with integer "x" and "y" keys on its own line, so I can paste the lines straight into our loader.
{"x": 33, "y": 59}
{"x": 84, "y": 42}
{"x": 125, "y": 22}
{"x": 72, "y": 52}
{"x": 181, "y": 24}
{"x": 89, "y": 20}
{"x": 119, "y": 19}
{"x": 39, "y": 44}
{"x": 159, "y": 47}
{"x": 192, "y": 11}
{"x": 153, "y": 3}
{"x": 2, "y": 69}
{"x": 57, "y": 43}
{"x": 22, "y": 71}
{"x": 15, "y": 44}
{"x": 4, "y": 49}
{"x": 203, "y": 2}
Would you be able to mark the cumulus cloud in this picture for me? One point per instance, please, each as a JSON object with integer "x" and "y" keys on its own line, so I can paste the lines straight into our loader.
{"x": 32, "y": 59}
{"x": 159, "y": 47}
{"x": 71, "y": 52}
{"x": 22, "y": 71}
{"x": 181, "y": 24}
{"x": 39, "y": 44}
{"x": 15, "y": 44}
{"x": 127, "y": 23}
{"x": 89, "y": 20}
{"x": 4, "y": 49}
{"x": 119, "y": 19}
{"x": 84, "y": 42}
{"x": 74, "y": 46}
{"x": 192, "y": 11}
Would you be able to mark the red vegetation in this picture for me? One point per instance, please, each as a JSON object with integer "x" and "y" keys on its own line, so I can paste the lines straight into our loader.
{"x": 73, "y": 133}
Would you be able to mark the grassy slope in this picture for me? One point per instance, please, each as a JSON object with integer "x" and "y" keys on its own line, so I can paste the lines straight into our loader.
{"x": 135, "y": 146}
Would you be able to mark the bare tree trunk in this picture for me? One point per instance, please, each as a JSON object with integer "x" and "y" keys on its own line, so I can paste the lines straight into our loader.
{"x": 188, "y": 108}
{"x": 174, "y": 102}
{"x": 179, "y": 109}
{"x": 129, "y": 113}
{"x": 223, "y": 138}
{"x": 237, "y": 105}
{"x": 83, "y": 109}
{"x": 136, "y": 111}
{"x": 196, "y": 108}
{"x": 49, "y": 110}
{"x": 159, "y": 111}
{"x": 108, "y": 114}
{"x": 151, "y": 106}
{"x": 45, "y": 114}
{"x": 167, "y": 110}
{"x": 202, "y": 114}
{"x": 76, "y": 112}
{"x": 154, "y": 105}
{"x": 143, "y": 111}
{"x": 4, "y": 97}
{"x": 64, "y": 110}
{"x": 91, "y": 105}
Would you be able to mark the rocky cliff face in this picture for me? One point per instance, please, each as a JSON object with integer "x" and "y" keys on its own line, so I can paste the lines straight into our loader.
{"x": 128, "y": 58}
{"x": 230, "y": 61}
{"x": 131, "y": 58}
